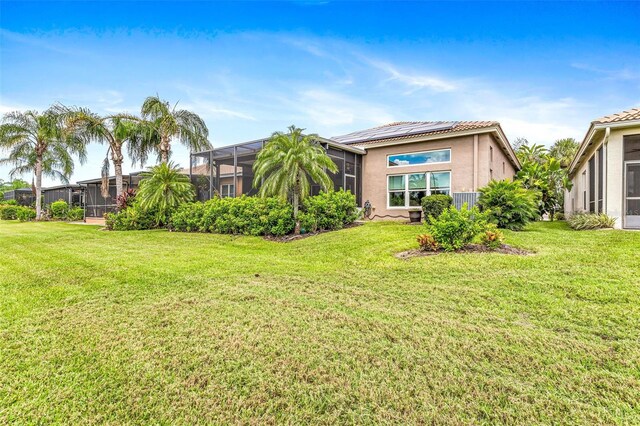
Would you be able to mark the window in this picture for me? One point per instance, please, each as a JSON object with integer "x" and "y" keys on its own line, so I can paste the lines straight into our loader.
{"x": 408, "y": 190}
{"x": 417, "y": 189}
{"x": 228, "y": 190}
{"x": 419, "y": 158}
{"x": 631, "y": 148}
{"x": 491, "y": 154}
{"x": 440, "y": 183}
{"x": 504, "y": 169}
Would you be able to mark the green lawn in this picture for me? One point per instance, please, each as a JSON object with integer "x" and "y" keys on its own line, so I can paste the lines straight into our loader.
{"x": 170, "y": 328}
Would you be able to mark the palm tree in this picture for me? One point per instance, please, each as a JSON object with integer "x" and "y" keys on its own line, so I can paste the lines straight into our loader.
{"x": 287, "y": 165}
{"x": 164, "y": 188}
{"x": 116, "y": 130}
{"x": 168, "y": 123}
{"x": 564, "y": 150}
{"x": 38, "y": 143}
{"x": 531, "y": 153}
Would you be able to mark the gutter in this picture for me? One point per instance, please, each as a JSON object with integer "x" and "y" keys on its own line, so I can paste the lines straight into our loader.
{"x": 592, "y": 129}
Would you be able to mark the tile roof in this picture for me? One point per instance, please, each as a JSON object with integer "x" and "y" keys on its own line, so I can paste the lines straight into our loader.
{"x": 381, "y": 133}
{"x": 632, "y": 114}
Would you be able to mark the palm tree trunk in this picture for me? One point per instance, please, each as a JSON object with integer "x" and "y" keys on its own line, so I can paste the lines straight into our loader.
{"x": 39, "y": 187}
{"x": 296, "y": 230}
{"x": 164, "y": 150}
{"x": 117, "y": 159}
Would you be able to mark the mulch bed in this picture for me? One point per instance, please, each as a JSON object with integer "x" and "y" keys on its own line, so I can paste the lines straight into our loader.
{"x": 470, "y": 248}
{"x": 292, "y": 237}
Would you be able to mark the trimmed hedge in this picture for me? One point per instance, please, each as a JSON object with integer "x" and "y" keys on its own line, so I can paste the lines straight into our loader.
{"x": 244, "y": 215}
{"x": 26, "y": 214}
{"x": 328, "y": 211}
{"x": 8, "y": 212}
{"x": 434, "y": 205}
{"x": 130, "y": 219}
{"x": 13, "y": 212}
{"x": 75, "y": 214}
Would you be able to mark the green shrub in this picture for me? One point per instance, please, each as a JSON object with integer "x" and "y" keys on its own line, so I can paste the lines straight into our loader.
{"x": 188, "y": 217}
{"x": 492, "y": 237}
{"x": 328, "y": 211}
{"x": 59, "y": 209}
{"x": 427, "y": 242}
{"x": 133, "y": 218}
{"x": 8, "y": 212}
{"x": 582, "y": 221}
{"x": 454, "y": 228}
{"x": 9, "y": 202}
{"x": 511, "y": 206}
{"x": 243, "y": 215}
{"x": 25, "y": 214}
{"x": 434, "y": 205}
{"x": 559, "y": 216}
{"x": 75, "y": 214}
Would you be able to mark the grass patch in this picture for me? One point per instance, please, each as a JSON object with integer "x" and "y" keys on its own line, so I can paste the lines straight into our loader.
{"x": 159, "y": 327}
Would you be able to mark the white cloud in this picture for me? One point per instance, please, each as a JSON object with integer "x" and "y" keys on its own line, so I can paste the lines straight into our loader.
{"x": 333, "y": 110}
{"x": 414, "y": 81}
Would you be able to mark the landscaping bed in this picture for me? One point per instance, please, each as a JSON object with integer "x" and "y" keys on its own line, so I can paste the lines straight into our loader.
{"x": 470, "y": 248}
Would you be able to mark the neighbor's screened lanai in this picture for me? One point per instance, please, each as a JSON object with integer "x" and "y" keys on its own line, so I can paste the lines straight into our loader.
{"x": 228, "y": 171}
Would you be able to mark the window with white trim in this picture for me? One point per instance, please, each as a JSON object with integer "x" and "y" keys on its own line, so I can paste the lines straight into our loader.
{"x": 228, "y": 190}
{"x": 404, "y": 191}
{"x": 419, "y": 158}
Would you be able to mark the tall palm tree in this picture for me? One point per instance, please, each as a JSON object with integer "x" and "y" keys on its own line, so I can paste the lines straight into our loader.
{"x": 38, "y": 143}
{"x": 287, "y": 165}
{"x": 168, "y": 123}
{"x": 118, "y": 131}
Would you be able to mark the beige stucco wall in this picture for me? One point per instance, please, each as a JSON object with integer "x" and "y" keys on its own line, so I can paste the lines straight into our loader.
{"x": 375, "y": 168}
{"x": 614, "y": 174}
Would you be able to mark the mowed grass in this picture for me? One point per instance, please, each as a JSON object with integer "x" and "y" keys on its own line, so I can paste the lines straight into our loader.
{"x": 171, "y": 328}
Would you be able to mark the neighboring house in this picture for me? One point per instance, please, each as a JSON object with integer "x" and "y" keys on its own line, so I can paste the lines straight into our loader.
{"x": 23, "y": 196}
{"x": 72, "y": 194}
{"x": 96, "y": 205}
{"x": 406, "y": 161}
{"x": 606, "y": 170}
{"x": 391, "y": 166}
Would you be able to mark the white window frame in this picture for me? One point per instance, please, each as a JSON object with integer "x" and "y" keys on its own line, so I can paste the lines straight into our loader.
{"x": 418, "y": 152}
{"x": 229, "y": 187}
{"x": 407, "y": 190}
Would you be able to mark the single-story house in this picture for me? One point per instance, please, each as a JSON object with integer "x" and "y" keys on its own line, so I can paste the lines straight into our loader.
{"x": 96, "y": 205}
{"x": 391, "y": 166}
{"x": 72, "y": 194}
{"x": 23, "y": 196}
{"x": 606, "y": 170}
{"x": 406, "y": 161}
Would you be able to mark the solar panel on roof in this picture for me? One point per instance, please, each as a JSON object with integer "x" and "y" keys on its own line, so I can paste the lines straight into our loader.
{"x": 403, "y": 129}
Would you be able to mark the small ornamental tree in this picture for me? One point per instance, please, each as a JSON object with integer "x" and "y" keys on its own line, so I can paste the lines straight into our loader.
{"x": 163, "y": 189}
{"x": 288, "y": 164}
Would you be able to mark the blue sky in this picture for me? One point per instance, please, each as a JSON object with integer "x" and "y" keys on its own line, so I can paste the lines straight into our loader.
{"x": 543, "y": 69}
